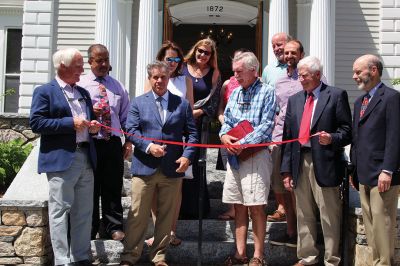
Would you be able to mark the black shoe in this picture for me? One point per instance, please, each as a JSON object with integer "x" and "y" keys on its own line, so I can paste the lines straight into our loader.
{"x": 284, "y": 240}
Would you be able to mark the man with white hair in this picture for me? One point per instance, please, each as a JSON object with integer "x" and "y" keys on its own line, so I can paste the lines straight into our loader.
{"x": 62, "y": 113}
{"x": 247, "y": 178}
{"x": 375, "y": 151}
{"x": 313, "y": 166}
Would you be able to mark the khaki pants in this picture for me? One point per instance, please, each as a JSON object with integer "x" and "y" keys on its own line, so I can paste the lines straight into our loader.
{"x": 309, "y": 197}
{"x": 379, "y": 216}
{"x": 143, "y": 189}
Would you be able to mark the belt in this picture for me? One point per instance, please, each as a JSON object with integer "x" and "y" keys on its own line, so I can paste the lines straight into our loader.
{"x": 82, "y": 144}
{"x": 305, "y": 149}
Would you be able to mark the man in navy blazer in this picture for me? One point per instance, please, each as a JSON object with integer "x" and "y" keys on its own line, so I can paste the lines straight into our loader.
{"x": 62, "y": 113}
{"x": 375, "y": 152}
{"x": 156, "y": 167}
{"x": 313, "y": 168}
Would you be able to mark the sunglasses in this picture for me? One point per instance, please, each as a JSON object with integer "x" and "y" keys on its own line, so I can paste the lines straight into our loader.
{"x": 201, "y": 51}
{"x": 173, "y": 59}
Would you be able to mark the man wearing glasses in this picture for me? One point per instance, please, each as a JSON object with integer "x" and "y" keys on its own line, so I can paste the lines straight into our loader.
{"x": 110, "y": 102}
{"x": 248, "y": 179}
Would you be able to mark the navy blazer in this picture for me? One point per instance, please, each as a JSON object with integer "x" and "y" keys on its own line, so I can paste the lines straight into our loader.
{"x": 332, "y": 114}
{"x": 376, "y": 137}
{"x": 51, "y": 117}
{"x": 144, "y": 120}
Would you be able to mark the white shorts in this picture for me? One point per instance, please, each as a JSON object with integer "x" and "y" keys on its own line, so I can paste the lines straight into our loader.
{"x": 250, "y": 184}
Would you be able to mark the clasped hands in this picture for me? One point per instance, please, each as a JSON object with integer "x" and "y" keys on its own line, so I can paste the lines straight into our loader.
{"x": 81, "y": 124}
{"x": 160, "y": 150}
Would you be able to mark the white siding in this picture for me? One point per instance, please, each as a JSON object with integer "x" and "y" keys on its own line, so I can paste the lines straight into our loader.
{"x": 75, "y": 20}
{"x": 357, "y": 33}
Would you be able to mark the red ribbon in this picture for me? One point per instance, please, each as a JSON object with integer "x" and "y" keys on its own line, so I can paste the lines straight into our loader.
{"x": 206, "y": 145}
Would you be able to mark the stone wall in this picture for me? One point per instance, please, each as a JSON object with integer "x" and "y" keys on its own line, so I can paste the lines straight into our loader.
{"x": 24, "y": 233}
{"x": 13, "y": 126}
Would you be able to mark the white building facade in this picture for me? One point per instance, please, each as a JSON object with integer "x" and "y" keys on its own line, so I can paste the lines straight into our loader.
{"x": 337, "y": 32}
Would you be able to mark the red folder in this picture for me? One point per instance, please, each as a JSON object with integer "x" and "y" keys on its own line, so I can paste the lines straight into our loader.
{"x": 240, "y": 131}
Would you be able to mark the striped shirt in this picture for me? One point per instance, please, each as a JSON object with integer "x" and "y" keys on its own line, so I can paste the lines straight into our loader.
{"x": 255, "y": 104}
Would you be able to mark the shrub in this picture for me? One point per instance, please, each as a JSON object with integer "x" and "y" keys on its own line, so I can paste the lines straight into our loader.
{"x": 12, "y": 156}
{"x": 396, "y": 81}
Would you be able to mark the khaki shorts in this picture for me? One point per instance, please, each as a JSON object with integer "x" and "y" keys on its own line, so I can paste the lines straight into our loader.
{"x": 250, "y": 184}
{"x": 276, "y": 178}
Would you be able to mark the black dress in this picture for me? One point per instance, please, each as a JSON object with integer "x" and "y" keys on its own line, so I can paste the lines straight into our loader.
{"x": 190, "y": 187}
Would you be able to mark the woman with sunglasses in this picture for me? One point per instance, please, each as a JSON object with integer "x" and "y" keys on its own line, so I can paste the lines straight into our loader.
{"x": 201, "y": 67}
{"x": 180, "y": 85}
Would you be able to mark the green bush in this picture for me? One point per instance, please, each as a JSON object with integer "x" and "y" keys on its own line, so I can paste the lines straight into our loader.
{"x": 396, "y": 81}
{"x": 12, "y": 156}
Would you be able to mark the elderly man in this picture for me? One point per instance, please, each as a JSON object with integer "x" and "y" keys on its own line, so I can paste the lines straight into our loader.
{"x": 313, "y": 166}
{"x": 247, "y": 181}
{"x": 61, "y": 112}
{"x": 156, "y": 167}
{"x": 376, "y": 153}
{"x": 273, "y": 72}
{"x": 111, "y": 104}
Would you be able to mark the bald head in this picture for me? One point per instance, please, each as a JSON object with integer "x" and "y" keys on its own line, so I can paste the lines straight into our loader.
{"x": 279, "y": 41}
{"x": 367, "y": 71}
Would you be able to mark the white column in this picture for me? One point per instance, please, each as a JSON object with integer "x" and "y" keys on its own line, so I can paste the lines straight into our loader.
{"x": 303, "y": 23}
{"x": 147, "y": 40}
{"x": 112, "y": 31}
{"x": 278, "y": 22}
{"x": 322, "y": 36}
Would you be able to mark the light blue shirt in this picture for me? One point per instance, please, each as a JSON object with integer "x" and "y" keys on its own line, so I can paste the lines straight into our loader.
{"x": 273, "y": 72}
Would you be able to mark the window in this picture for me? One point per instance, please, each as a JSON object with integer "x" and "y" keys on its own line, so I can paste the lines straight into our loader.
{"x": 13, "y": 39}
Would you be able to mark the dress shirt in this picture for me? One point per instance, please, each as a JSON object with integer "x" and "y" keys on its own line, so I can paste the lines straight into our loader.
{"x": 273, "y": 72}
{"x": 284, "y": 88}
{"x": 255, "y": 104}
{"x": 77, "y": 105}
{"x": 117, "y": 96}
{"x": 164, "y": 104}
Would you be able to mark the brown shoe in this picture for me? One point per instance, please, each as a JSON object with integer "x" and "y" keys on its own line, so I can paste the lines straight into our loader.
{"x": 125, "y": 263}
{"x": 277, "y": 216}
{"x": 257, "y": 262}
{"x": 232, "y": 260}
{"x": 118, "y": 235}
{"x": 161, "y": 263}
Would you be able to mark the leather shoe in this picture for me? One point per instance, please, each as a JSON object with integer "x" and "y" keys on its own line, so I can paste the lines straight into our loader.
{"x": 277, "y": 216}
{"x": 125, "y": 263}
{"x": 160, "y": 263}
{"x": 118, "y": 235}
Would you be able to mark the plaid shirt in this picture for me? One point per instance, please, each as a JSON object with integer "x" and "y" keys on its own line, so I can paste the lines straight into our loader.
{"x": 257, "y": 105}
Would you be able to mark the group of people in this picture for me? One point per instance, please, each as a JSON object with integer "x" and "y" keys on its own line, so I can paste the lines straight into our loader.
{"x": 83, "y": 156}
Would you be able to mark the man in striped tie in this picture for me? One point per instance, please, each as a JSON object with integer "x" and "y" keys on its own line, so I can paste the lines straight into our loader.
{"x": 376, "y": 153}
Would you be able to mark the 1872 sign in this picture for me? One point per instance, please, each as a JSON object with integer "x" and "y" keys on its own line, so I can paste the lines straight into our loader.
{"x": 215, "y": 8}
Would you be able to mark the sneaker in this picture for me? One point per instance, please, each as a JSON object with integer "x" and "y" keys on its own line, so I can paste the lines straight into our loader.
{"x": 284, "y": 240}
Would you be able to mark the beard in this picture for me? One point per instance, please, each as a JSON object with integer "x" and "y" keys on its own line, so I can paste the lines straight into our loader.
{"x": 364, "y": 82}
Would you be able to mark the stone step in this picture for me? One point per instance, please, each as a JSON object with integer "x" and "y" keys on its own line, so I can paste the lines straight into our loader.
{"x": 214, "y": 252}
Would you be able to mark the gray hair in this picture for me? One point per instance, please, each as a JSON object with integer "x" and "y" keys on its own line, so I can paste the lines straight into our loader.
{"x": 312, "y": 63}
{"x": 374, "y": 61}
{"x": 249, "y": 60}
{"x": 98, "y": 46}
{"x": 156, "y": 64}
{"x": 64, "y": 56}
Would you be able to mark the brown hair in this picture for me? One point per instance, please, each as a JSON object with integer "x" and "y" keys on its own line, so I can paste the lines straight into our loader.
{"x": 190, "y": 57}
{"x": 167, "y": 45}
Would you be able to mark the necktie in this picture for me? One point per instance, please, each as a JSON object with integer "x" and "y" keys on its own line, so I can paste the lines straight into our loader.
{"x": 304, "y": 133}
{"x": 160, "y": 108}
{"x": 104, "y": 105}
{"x": 364, "y": 104}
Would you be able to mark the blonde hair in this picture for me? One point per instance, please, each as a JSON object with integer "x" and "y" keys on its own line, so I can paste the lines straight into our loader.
{"x": 190, "y": 57}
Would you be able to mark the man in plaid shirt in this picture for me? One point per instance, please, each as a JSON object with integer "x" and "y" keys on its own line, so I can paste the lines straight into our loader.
{"x": 247, "y": 180}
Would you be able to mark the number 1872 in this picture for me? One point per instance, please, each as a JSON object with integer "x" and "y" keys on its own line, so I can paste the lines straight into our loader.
{"x": 215, "y": 8}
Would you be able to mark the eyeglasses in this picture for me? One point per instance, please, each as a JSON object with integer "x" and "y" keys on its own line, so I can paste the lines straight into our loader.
{"x": 201, "y": 51}
{"x": 173, "y": 59}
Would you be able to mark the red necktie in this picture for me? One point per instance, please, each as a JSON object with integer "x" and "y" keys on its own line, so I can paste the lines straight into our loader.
{"x": 304, "y": 133}
{"x": 364, "y": 104}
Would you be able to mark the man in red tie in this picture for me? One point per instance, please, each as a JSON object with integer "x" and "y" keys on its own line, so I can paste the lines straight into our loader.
{"x": 313, "y": 166}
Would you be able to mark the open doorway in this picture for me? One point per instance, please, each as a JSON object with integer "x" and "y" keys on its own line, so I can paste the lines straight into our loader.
{"x": 242, "y": 36}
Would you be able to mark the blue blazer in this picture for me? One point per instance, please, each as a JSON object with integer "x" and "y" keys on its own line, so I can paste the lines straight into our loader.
{"x": 144, "y": 120}
{"x": 332, "y": 114}
{"x": 51, "y": 117}
{"x": 376, "y": 139}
